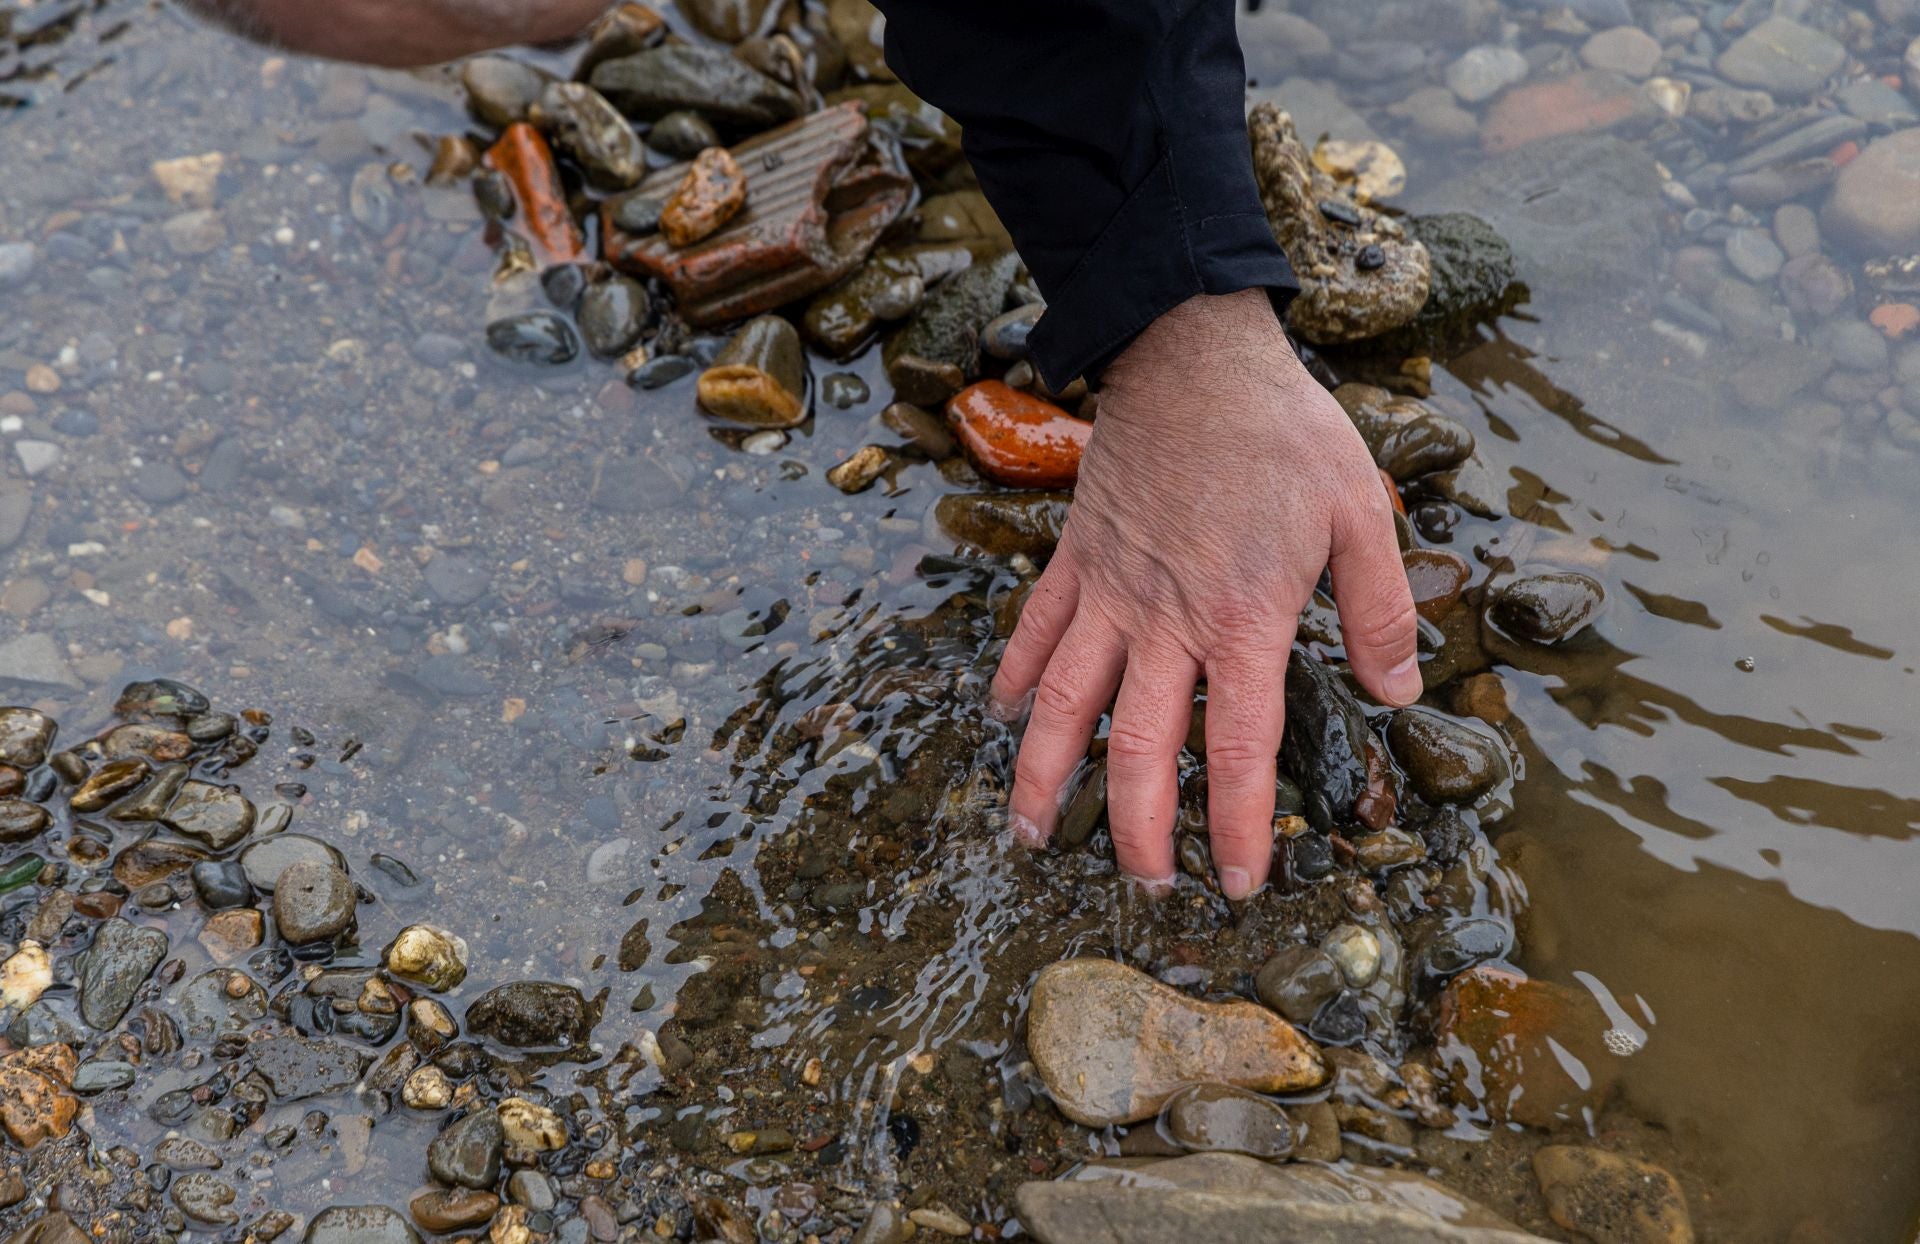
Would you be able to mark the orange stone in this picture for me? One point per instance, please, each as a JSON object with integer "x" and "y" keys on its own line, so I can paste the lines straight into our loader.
{"x": 1582, "y": 103}
{"x": 1844, "y": 153}
{"x": 34, "y": 1102}
{"x": 712, "y": 193}
{"x": 1895, "y": 319}
{"x": 1525, "y": 1051}
{"x": 1015, "y": 438}
{"x": 1437, "y": 578}
{"x": 1393, "y": 493}
{"x": 544, "y": 219}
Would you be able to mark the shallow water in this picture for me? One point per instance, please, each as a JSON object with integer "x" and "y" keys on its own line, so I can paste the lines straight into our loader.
{"x": 1713, "y": 824}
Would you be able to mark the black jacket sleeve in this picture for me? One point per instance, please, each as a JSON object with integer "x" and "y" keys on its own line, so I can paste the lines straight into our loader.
{"x": 1111, "y": 138}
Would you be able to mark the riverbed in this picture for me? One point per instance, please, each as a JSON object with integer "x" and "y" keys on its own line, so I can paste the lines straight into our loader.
{"x": 628, "y": 694}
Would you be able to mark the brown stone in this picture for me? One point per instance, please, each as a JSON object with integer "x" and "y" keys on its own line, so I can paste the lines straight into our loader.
{"x": 711, "y": 192}
{"x": 1437, "y": 578}
{"x": 1526, "y": 1051}
{"x": 452, "y": 1209}
{"x": 759, "y": 378}
{"x": 1587, "y": 102}
{"x": 229, "y": 935}
{"x": 824, "y": 188}
{"x": 1113, "y": 1044}
{"x": 144, "y": 863}
{"x": 1612, "y": 1199}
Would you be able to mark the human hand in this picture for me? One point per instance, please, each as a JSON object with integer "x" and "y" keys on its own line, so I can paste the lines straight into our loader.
{"x": 1220, "y": 480}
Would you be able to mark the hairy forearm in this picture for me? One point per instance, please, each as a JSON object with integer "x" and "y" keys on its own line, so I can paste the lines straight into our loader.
{"x": 400, "y": 32}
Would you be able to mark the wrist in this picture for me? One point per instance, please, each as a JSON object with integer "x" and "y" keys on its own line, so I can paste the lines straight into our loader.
{"x": 1203, "y": 350}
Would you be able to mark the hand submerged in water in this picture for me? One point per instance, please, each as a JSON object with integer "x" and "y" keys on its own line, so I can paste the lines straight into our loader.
{"x": 1220, "y": 480}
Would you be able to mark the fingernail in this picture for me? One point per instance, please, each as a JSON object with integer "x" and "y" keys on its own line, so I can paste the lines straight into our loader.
{"x": 1026, "y": 832}
{"x": 1157, "y": 889}
{"x": 1235, "y": 883}
{"x": 1006, "y": 712}
{"x": 1403, "y": 682}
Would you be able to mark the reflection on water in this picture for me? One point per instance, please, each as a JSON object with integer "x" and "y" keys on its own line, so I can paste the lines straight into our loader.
{"x": 680, "y": 724}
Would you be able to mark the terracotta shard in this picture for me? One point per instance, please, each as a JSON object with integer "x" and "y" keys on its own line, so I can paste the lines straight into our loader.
{"x": 823, "y": 189}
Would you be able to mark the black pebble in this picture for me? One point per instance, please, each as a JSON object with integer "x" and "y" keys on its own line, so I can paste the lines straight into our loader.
{"x": 222, "y": 883}
{"x": 1369, "y": 258}
{"x": 657, "y": 373}
{"x": 1340, "y": 211}
{"x": 1309, "y": 857}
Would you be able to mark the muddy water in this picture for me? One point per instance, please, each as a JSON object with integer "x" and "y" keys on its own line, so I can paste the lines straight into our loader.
{"x": 605, "y": 742}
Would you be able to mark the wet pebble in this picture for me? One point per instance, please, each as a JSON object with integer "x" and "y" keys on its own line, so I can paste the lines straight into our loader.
{"x": 843, "y": 390}
{"x": 538, "y": 337}
{"x": 1357, "y": 952}
{"x": 1461, "y": 944}
{"x": 444, "y": 1210}
{"x": 1220, "y": 1119}
{"x": 657, "y": 373}
{"x": 205, "y": 1198}
{"x": 121, "y": 958}
{"x": 920, "y": 428}
{"x": 527, "y": 1014}
{"x": 467, "y": 1154}
{"x": 20, "y": 820}
{"x": 360, "y": 1224}
{"x": 1446, "y": 761}
{"x": 682, "y": 134}
{"x": 500, "y": 90}
{"x": 312, "y": 901}
{"x": 612, "y": 314}
{"x": 1297, "y": 981}
{"x": 268, "y": 858}
{"x": 217, "y": 817}
{"x": 428, "y": 955}
{"x": 1005, "y": 336}
{"x": 1546, "y": 608}
{"x": 159, "y": 483}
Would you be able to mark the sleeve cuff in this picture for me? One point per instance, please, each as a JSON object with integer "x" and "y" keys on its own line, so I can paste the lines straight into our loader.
{"x": 1150, "y": 258}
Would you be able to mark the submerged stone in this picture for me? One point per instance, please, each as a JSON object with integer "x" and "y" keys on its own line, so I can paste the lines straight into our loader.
{"x": 121, "y": 958}
{"x": 1546, "y": 608}
{"x": 1609, "y": 1196}
{"x": 1525, "y": 1051}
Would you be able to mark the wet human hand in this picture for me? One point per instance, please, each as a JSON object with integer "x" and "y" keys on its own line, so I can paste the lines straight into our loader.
{"x": 1220, "y": 480}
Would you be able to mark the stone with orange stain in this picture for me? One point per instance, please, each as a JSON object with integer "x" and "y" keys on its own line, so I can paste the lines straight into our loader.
{"x": 1526, "y": 1051}
{"x": 1437, "y": 578}
{"x": 1015, "y": 438}
{"x": 35, "y": 1101}
{"x": 711, "y": 193}
{"x": 1590, "y": 101}
{"x": 522, "y": 156}
{"x": 1113, "y": 1044}
{"x": 1393, "y": 493}
{"x": 759, "y": 378}
{"x": 1895, "y": 319}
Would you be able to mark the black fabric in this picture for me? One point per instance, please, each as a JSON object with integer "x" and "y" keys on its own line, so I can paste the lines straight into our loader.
{"x": 1111, "y": 138}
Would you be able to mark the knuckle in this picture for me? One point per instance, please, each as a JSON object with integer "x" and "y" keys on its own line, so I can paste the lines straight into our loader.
{"x": 1059, "y": 697}
{"x": 1238, "y": 761}
{"x": 1130, "y": 748}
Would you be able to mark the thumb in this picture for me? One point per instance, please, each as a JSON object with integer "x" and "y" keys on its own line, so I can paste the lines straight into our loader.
{"x": 1377, "y": 620}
